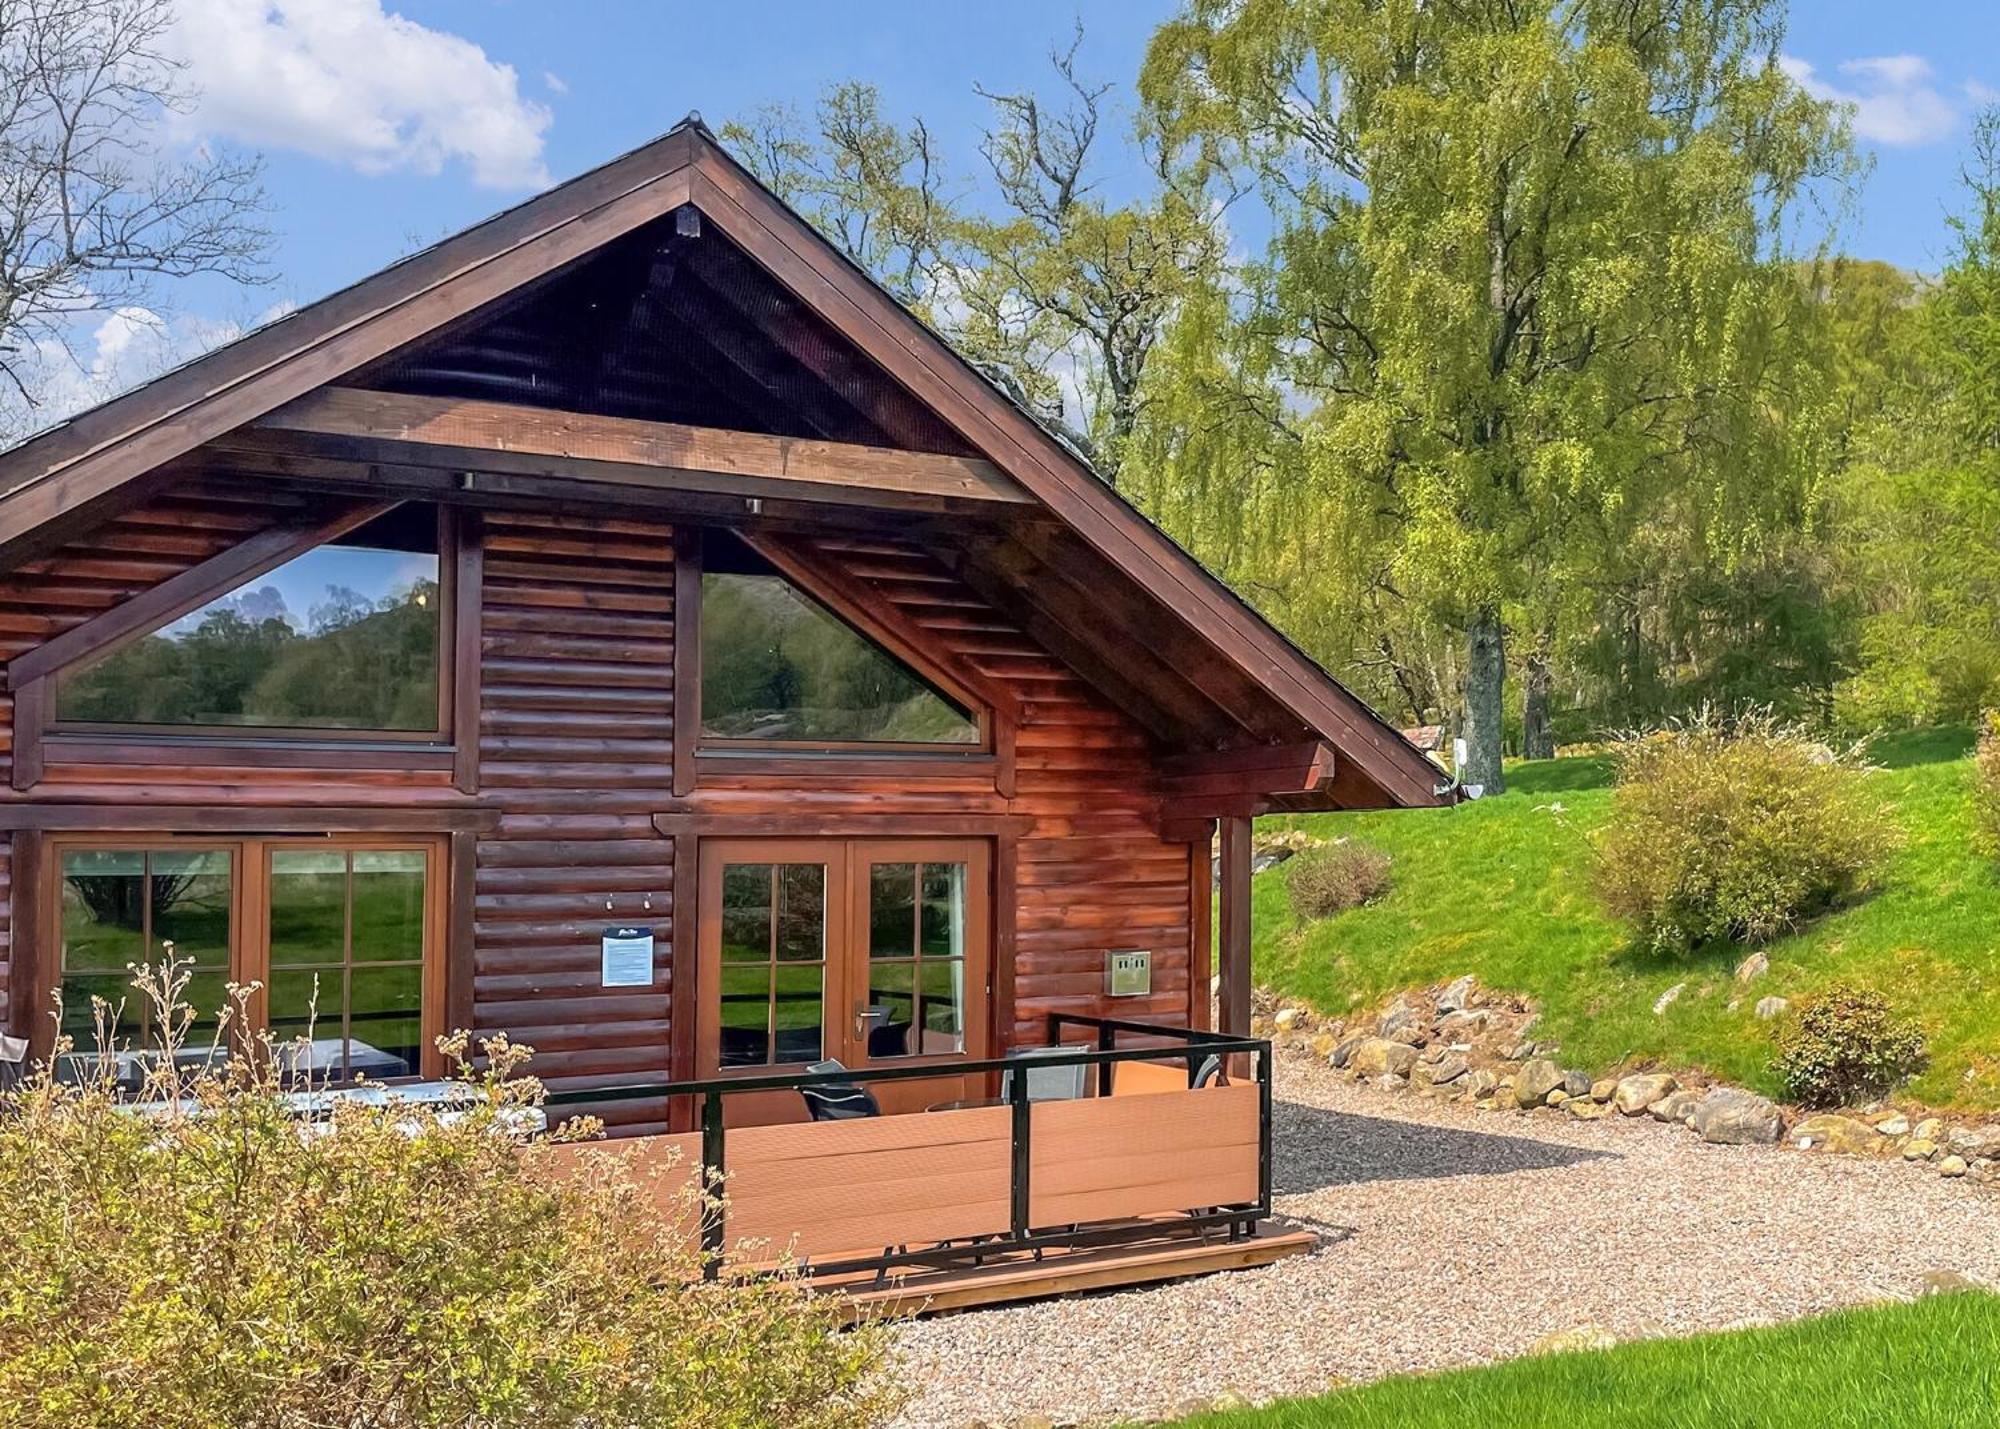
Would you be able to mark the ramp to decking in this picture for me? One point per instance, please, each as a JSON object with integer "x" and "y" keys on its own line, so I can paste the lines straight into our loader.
{"x": 1019, "y": 1275}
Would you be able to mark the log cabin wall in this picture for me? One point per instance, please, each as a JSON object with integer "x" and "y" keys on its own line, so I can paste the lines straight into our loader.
{"x": 576, "y": 741}
{"x": 577, "y": 744}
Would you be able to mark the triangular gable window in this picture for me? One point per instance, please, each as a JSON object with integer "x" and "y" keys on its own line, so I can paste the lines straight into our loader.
{"x": 344, "y": 637}
{"x": 777, "y": 666}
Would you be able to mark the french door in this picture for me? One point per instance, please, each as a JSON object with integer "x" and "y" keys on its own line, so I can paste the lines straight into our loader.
{"x": 873, "y": 952}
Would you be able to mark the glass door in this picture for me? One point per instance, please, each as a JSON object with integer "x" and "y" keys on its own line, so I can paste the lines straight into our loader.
{"x": 869, "y": 952}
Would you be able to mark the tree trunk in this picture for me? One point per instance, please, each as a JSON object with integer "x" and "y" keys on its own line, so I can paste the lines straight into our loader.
{"x": 1538, "y": 741}
{"x": 1485, "y": 685}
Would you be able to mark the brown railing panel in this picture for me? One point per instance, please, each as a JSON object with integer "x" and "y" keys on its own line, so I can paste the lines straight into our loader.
{"x": 838, "y": 1186}
{"x": 1107, "y": 1157}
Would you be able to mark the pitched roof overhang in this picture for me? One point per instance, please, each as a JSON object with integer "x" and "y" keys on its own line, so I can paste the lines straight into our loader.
{"x": 1097, "y": 547}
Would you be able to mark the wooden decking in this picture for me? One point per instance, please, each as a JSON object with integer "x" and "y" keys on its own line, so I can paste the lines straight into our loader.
{"x": 1020, "y": 1276}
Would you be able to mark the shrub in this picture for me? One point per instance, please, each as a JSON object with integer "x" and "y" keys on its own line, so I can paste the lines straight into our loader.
{"x": 216, "y": 1261}
{"x": 1721, "y": 831}
{"x": 1844, "y": 1045}
{"x": 1330, "y": 880}
{"x": 1986, "y": 786}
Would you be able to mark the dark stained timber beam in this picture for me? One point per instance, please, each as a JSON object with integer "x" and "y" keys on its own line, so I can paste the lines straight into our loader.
{"x": 391, "y": 427}
{"x": 190, "y": 590}
{"x": 1303, "y": 768}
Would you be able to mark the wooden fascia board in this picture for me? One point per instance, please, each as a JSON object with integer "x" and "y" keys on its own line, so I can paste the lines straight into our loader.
{"x": 188, "y": 590}
{"x": 451, "y": 431}
{"x": 843, "y": 296}
{"x": 77, "y": 465}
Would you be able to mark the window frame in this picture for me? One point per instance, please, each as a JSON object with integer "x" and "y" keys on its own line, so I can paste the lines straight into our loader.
{"x": 83, "y": 741}
{"x": 249, "y": 919}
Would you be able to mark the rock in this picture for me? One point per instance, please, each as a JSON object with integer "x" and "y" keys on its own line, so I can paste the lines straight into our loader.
{"x": 1391, "y": 1082}
{"x": 1379, "y": 1057}
{"x": 1449, "y": 1070}
{"x": 1730, "y": 1116}
{"x": 1952, "y": 1167}
{"x": 1604, "y": 1090}
{"x": 1972, "y": 1142}
{"x": 1399, "y": 1016}
{"x": 1576, "y": 1083}
{"x": 1668, "y": 998}
{"x": 1032, "y": 1421}
{"x": 1836, "y": 1133}
{"x": 1675, "y": 1106}
{"x": 1324, "y": 1046}
{"x": 1286, "y": 1020}
{"x": 1752, "y": 968}
{"x": 1482, "y": 1083}
{"x": 1584, "y": 1109}
{"x": 1535, "y": 1080}
{"x": 1946, "y": 1282}
{"x": 1558, "y": 1097}
{"x": 1918, "y": 1149}
{"x": 1583, "y": 1337}
{"x": 1344, "y": 1053}
{"x": 1464, "y": 1024}
{"x": 1458, "y": 996}
{"x": 1410, "y": 1034}
{"x": 1894, "y": 1124}
{"x": 1635, "y": 1093}
{"x": 1929, "y": 1129}
{"x": 1770, "y": 1007}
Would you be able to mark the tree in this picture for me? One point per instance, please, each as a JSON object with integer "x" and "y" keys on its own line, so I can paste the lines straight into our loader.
{"x": 94, "y": 208}
{"x": 1527, "y": 289}
{"x": 1055, "y": 293}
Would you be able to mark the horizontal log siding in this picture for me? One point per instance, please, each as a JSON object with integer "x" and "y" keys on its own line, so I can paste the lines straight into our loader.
{"x": 576, "y": 748}
{"x": 1092, "y": 873}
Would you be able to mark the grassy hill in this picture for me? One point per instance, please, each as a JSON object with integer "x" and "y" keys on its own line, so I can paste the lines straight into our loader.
{"x": 1502, "y": 889}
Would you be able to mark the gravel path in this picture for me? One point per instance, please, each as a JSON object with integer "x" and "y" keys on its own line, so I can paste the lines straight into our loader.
{"x": 1455, "y": 1236}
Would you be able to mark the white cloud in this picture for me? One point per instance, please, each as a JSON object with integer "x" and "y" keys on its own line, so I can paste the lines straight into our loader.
{"x": 1892, "y": 97}
{"x": 354, "y": 84}
{"x": 554, "y": 82}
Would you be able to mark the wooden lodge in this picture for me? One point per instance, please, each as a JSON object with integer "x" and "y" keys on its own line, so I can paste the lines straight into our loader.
{"x": 624, "y": 627}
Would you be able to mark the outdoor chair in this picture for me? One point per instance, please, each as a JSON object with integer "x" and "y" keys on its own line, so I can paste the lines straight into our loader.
{"x": 1045, "y": 1084}
{"x": 838, "y": 1101}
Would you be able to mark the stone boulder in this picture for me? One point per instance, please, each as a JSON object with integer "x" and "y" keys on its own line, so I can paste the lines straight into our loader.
{"x": 1635, "y": 1093}
{"x": 1576, "y": 1083}
{"x": 1770, "y": 1007}
{"x": 1482, "y": 1083}
{"x": 1379, "y": 1057}
{"x": 1344, "y": 1053}
{"x": 1399, "y": 1016}
{"x": 1973, "y": 1142}
{"x": 1837, "y": 1133}
{"x": 1447, "y": 1069}
{"x": 1752, "y": 968}
{"x": 1564, "y": 1342}
{"x": 1675, "y": 1107}
{"x": 1730, "y": 1116}
{"x": 1535, "y": 1080}
{"x": 1585, "y": 1109}
{"x": 1603, "y": 1089}
{"x": 1458, "y": 996}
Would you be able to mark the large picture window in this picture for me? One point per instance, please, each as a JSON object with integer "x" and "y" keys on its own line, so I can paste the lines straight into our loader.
{"x": 779, "y": 667}
{"x": 346, "y": 637}
{"x": 342, "y": 936}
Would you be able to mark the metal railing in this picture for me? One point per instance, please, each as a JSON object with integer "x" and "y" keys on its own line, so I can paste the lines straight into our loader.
{"x": 1165, "y": 1044}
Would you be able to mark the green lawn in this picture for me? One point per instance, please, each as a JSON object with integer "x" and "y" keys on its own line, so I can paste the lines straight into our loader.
{"x": 1932, "y": 1363}
{"x": 1501, "y": 888}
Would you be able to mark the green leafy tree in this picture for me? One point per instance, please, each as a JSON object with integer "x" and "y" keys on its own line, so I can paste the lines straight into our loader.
{"x": 1527, "y": 292}
{"x": 1055, "y": 292}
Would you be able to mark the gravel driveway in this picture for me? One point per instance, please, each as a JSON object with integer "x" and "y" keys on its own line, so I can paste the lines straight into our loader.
{"x": 1454, "y": 1236}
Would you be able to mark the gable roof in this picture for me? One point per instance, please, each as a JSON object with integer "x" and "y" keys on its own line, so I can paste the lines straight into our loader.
{"x": 68, "y": 477}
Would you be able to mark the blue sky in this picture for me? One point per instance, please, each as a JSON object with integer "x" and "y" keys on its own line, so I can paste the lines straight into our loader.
{"x": 390, "y": 123}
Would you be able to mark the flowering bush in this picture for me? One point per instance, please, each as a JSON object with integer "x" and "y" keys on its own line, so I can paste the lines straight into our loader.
{"x": 208, "y": 1258}
{"x": 1845, "y": 1045}
{"x": 1735, "y": 831}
